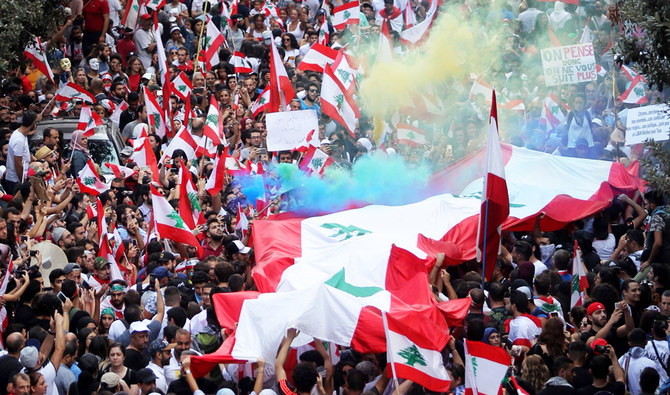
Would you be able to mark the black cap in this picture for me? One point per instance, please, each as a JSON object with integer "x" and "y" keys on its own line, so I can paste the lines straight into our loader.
{"x": 145, "y": 376}
{"x": 166, "y": 256}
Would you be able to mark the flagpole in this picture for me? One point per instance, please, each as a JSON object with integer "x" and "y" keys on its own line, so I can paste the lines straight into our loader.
{"x": 389, "y": 352}
{"x": 202, "y": 29}
{"x": 486, "y": 220}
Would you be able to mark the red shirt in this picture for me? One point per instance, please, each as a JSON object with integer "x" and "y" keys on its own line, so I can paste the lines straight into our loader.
{"x": 93, "y": 12}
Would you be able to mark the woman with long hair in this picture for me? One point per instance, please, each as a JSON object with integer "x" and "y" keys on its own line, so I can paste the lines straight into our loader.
{"x": 534, "y": 371}
{"x": 134, "y": 71}
{"x": 80, "y": 78}
{"x": 117, "y": 355}
{"x": 100, "y": 348}
{"x": 107, "y": 316}
{"x": 291, "y": 48}
{"x": 552, "y": 342}
{"x": 85, "y": 337}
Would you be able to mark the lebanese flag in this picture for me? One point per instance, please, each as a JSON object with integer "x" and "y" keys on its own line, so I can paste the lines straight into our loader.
{"x": 317, "y": 57}
{"x": 354, "y": 299}
{"x": 281, "y": 91}
{"x": 311, "y": 140}
{"x": 165, "y": 78}
{"x": 315, "y": 161}
{"x": 552, "y": 115}
{"x": 636, "y": 91}
{"x": 71, "y": 91}
{"x": 344, "y": 70}
{"x": 485, "y": 368}
{"x": 495, "y": 199}
{"x": 270, "y": 10}
{"x": 182, "y": 141}
{"x": 346, "y": 14}
{"x": 116, "y": 115}
{"x": 214, "y": 41}
{"x": 189, "y": 206}
{"x": 415, "y": 357}
{"x": 513, "y": 105}
{"x": 88, "y": 180}
{"x": 155, "y": 114}
{"x": 88, "y": 121}
{"x": 4, "y": 321}
{"x": 523, "y": 329}
{"x": 262, "y": 103}
{"x": 579, "y": 281}
{"x": 181, "y": 86}
{"x": 410, "y": 135}
{"x": 242, "y": 222}
{"x": 324, "y": 32}
{"x": 587, "y": 36}
{"x": 169, "y": 223}
{"x": 337, "y": 103}
{"x": 35, "y": 52}
{"x": 214, "y": 124}
{"x": 144, "y": 156}
{"x": 130, "y": 17}
{"x": 119, "y": 171}
{"x": 216, "y": 180}
{"x": 409, "y": 15}
{"x": 480, "y": 87}
{"x": 419, "y": 33}
{"x": 602, "y": 72}
{"x": 242, "y": 66}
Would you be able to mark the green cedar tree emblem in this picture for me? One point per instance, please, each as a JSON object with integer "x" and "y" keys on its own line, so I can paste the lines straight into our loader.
{"x": 412, "y": 356}
{"x": 349, "y": 231}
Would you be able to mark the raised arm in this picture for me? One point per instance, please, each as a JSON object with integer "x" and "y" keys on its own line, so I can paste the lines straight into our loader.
{"x": 282, "y": 354}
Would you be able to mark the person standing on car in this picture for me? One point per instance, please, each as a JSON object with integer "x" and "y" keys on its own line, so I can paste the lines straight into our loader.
{"x": 80, "y": 156}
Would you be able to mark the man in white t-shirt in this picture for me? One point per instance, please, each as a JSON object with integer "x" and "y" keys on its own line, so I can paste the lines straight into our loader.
{"x": 18, "y": 151}
{"x": 144, "y": 40}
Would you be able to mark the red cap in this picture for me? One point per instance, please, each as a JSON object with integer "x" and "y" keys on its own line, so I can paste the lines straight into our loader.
{"x": 145, "y": 16}
{"x": 598, "y": 342}
{"x": 593, "y": 307}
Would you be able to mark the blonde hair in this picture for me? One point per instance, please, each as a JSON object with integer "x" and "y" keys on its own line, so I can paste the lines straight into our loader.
{"x": 534, "y": 371}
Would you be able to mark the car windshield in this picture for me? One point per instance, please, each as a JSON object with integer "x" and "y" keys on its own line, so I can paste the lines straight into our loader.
{"x": 102, "y": 151}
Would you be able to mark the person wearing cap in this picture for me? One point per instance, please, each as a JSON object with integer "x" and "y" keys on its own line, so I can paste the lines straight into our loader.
{"x": 600, "y": 370}
{"x": 144, "y": 40}
{"x": 110, "y": 382}
{"x": 601, "y": 327}
{"x": 101, "y": 273}
{"x": 146, "y": 380}
{"x": 73, "y": 272}
{"x": 32, "y": 359}
{"x": 168, "y": 260}
{"x": 117, "y": 290}
{"x": 160, "y": 353}
{"x": 62, "y": 238}
{"x": 237, "y": 251}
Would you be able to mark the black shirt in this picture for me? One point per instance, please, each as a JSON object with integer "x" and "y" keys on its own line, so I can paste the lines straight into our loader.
{"x": 617, "y": 388}
{"x": 582, "y": 377}
{"x": 135, "y": 360}
{"x": 9, "y": 366}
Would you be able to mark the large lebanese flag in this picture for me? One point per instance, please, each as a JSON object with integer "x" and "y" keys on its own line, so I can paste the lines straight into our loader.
{"x": 495, "y": 199}
{"x": 354, "y": 305}
{"x": 566, "y": 189}
{"x": 420, "y": 32}
{"x": 485, "y": 368}
{"x": 346, "y": 14}
{"x": 71, "y": 91}
{"x": 169, "y": 224}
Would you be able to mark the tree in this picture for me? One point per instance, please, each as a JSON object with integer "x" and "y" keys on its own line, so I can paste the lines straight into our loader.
{"x": 20, "y": 21}
{"x": 646, "y": 41}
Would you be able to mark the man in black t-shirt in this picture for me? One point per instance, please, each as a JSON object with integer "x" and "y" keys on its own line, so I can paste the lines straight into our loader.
{"x": 139, "y": 339}
{"x": 600, "y": 372}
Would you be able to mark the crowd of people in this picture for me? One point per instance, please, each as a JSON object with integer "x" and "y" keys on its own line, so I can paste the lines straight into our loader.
{"x": 129, "y": 321}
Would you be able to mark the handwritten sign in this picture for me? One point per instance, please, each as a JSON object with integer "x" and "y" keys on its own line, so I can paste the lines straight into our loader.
{"x": 288, "y": 129}
{"x": 650, "y": 122}
{"x": 570, "y": 64}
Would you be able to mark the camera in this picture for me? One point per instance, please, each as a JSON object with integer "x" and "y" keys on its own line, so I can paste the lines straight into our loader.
{"x": 33, "y": 252}
{"x": 602, "y": 350}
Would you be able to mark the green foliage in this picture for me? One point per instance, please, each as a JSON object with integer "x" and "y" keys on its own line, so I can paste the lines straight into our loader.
{"x": 651, "y": 49}
{"x": 657, "y": 166}
{"x": 20, "y": 21}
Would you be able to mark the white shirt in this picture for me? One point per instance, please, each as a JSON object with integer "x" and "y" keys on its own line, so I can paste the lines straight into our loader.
{"x": 605, "y": 248}
{"x": 116, "y": 329}
{"x": 161, "y": 383}
{"x": 18, "y": 146}
{"x": 142, "y": 40}
{"x": 637, "y": 361}
{"x": 114, "y": 10}
{"x": 539, "y": 267}
{"x": 663, "y": 352}
{"x": 198, "y": 323}
{"x": 49, "y": 374}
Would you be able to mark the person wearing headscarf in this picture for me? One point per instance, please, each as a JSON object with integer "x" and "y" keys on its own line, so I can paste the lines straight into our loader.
{"x": 80, "y": 154}
{"x": 363, "y": 147}
{"x": 559, "y": 17}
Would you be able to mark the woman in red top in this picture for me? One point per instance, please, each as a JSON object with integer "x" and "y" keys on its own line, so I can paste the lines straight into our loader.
{"x": 134, "y": 72}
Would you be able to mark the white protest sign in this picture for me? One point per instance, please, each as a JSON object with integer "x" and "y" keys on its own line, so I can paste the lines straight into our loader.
{"x": 288, "y": 129}
{"x": 570, "y": 64}
{"x": 650, "y": 122}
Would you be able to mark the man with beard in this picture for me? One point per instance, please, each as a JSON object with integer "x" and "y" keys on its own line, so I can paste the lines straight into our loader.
{"x": 63, "y": 238}
{"x": 114, "y": 301}
{"x": 601, "y": 327}
{"x": 101, "y": 274}
{"x": 213, "y": 244}
{"x": 160, "y": 352}
{"x": 129, "y": 130}
{"x": 182, "y": 341}
{"x": 117, "y": 93}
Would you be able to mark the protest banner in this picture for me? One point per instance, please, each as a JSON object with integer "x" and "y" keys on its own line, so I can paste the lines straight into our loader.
{"x": 570, "y": 64}
{"x": 650, "y": 122}
{"x": 288, "y": 129}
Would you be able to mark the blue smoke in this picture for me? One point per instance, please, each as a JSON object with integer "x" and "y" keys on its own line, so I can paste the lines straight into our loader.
{"x": 375, "y": 179}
